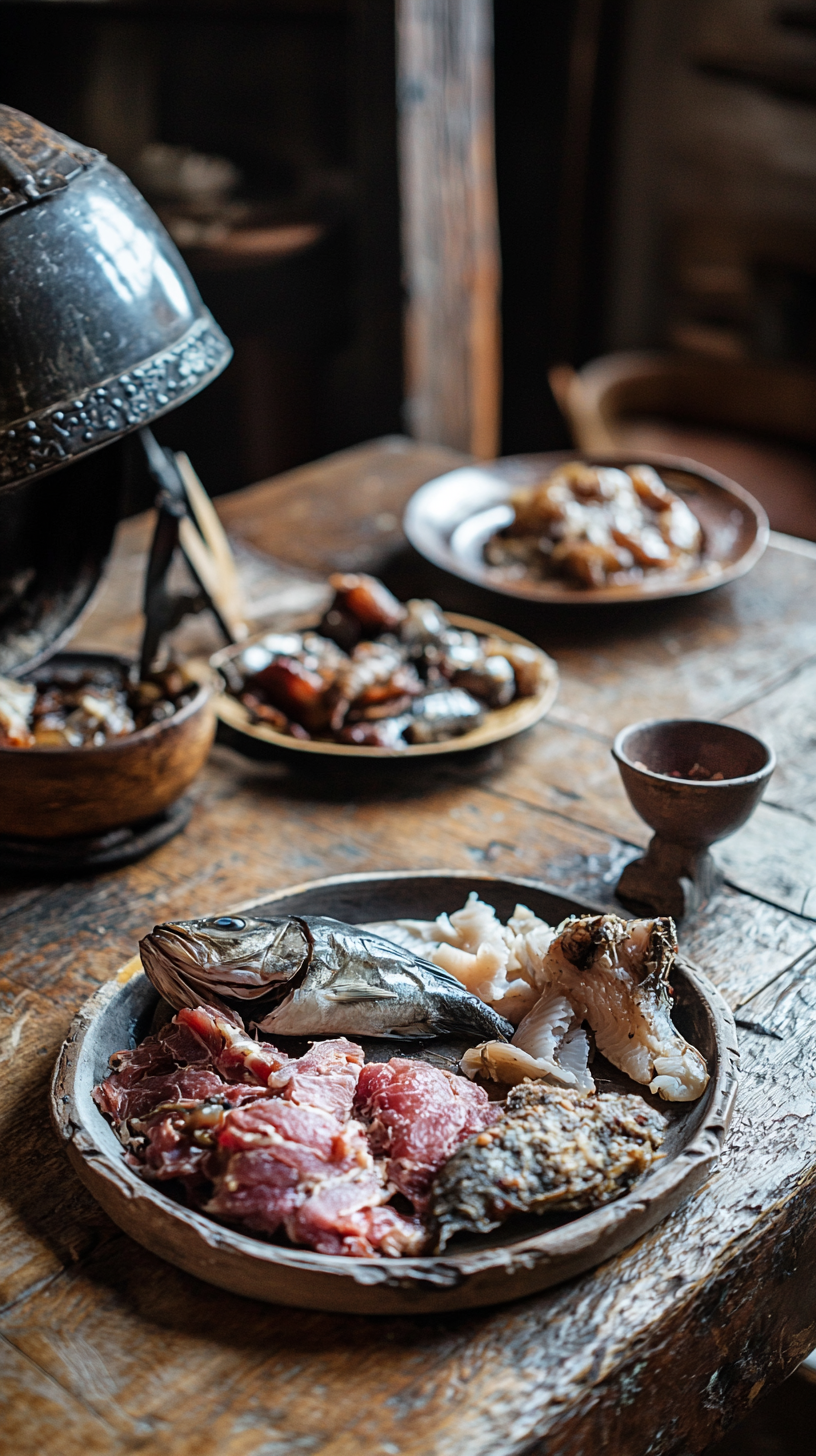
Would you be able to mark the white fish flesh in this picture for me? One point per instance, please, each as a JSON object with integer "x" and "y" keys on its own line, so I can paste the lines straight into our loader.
{"x": 549, "y": 1043}
{"x": 615, "y": 975}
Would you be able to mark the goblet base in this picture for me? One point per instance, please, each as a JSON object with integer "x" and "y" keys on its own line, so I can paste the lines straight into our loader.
{"x": 669, "y": 879}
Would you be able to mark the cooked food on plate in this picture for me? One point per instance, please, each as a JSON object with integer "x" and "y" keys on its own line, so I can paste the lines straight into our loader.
{"x": 84, "y": 707}
{"x": 381, "y": 674}
{"x": 596, "y": 971}
{"x": 388, "y": 1158}
{"x": 549, "y": 1151}
{"x": 596, "y": 526}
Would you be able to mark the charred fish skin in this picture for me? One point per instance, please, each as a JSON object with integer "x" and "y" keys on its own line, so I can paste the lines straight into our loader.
{"x": 311, "y": 975}
{"x": 584, "y": 936}
{"x": 552, "y": 1151}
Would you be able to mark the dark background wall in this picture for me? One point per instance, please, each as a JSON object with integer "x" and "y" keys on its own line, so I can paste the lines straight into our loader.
{"x": 655, "y": 178}
{"x": 299, "y": 95}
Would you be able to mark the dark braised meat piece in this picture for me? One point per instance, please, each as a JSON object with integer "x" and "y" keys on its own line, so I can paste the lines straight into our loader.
{"x": 362, "y": 607}
{"x": 374, "y": 712}
{"x": 444, "y": 714}
{"x": 418, "y": 1116}
{"x": 492, "y": 679}
{"x": 423, "y": 625}
{"x": 294, "y": 689}
{"x": 552, "y": 1151}
{"x": 383, "y": 733}
{"x": 375, "y": 674}
{"x": 264, "y": 712}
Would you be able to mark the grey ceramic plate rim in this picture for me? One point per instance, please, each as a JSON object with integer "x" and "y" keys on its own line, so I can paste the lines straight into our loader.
{"x": 425, "y": 513}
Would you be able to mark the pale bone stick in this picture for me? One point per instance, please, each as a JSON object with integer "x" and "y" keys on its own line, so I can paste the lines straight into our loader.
{"x": 211, "y": 557}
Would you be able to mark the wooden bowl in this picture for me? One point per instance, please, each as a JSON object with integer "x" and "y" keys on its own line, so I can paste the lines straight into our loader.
{"x": 54, "y": 793}
{"x": 450, "y": 520}
{"x": 692, "y": 811}
{"x": 527, "y": 1255}
{"x": 260, "y": 740}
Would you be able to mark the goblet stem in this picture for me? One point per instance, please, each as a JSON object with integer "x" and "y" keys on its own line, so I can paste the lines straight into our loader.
{"x": 669, "y": 879}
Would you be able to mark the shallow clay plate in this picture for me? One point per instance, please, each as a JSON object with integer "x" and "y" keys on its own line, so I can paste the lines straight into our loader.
{"x": 499, "y": 723}
{"x": 525, "y": 1255}
{"x": 450, "y": 520}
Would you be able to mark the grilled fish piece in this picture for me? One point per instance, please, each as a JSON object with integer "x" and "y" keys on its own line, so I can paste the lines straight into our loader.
{"x": 309, "y": 975}
{"x": 615, "y": 974}
{"x": 552, "y": 1151}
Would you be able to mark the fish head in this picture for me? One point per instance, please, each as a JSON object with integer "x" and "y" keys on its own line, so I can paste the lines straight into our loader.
{"x": 225, "y": 955}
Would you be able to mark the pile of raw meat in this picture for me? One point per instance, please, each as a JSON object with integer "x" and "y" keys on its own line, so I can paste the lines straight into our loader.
{"x": 314, "y": 1147}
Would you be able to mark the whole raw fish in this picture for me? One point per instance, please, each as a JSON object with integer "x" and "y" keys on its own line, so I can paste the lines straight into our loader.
{"x": 312, "y": 976}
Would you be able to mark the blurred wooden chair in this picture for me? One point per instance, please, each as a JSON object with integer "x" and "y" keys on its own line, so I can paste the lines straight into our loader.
{"x": 754, "y": 422}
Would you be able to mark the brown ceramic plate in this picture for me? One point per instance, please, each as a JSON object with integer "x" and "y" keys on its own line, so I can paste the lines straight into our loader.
{"x": 449, "y": 521}
{"x": 526, "y": 1255}
{"x": 498, "y": 724}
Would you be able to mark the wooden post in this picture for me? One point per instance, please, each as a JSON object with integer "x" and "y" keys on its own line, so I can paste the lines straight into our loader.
{"x": 450, "y": 231}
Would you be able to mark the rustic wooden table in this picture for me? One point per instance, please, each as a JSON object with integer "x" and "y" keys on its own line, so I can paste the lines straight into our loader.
{"x": 107, "y": 1349}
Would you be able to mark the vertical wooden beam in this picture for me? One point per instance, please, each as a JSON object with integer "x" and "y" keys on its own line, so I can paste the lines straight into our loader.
{"x": 450, "y": 233}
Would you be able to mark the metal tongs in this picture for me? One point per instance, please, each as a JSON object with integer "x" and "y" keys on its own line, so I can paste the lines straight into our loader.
{"x": 186, "y": 521}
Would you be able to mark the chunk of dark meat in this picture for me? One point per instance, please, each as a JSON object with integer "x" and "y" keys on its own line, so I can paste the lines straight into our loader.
{"x": 264, "y": 712}
{"x": 551, "y": 1151}
{"x": 293, "y": 688}
{"x": 360, "y": 600}
{"x": 423, "y": 627}
{"x": 375, "y": 674}
{"x": 418, "y": 1115}
{"x": 491, "y": 678}
{"x": 445, "y": 714}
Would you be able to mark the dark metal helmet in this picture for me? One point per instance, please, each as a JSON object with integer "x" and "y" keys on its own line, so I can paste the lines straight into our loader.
{"x": 102, "y": 329}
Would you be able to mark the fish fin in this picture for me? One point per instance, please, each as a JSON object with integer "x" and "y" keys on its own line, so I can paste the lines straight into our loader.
{"x": 360, "y": 991}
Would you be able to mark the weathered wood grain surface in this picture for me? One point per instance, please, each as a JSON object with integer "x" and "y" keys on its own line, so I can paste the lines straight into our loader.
{"x": 450, "y": 226}
{"x": 105, "y": 1349}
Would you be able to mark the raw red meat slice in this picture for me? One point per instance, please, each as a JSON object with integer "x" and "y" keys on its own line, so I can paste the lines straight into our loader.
{"x": 174, "y": 1142}
{"x": 120, "y": 1101}
{"x": 237, "y": 1056}
{"x": 342, "y": 1216}
{"x": 325, "y": 1077}
{"x": 275, "y": 1154}
{"x": 192, "y": 1057}
{"x": 418, "y": 1115}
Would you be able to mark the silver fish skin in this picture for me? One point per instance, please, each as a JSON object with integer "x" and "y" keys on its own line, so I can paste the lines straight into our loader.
{"x": 312, "y": 976}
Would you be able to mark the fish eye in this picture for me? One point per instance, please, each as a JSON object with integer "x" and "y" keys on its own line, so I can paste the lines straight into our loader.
{"x": 227, "y": 922}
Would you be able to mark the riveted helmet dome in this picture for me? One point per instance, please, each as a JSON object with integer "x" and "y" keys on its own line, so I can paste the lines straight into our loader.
{"x": 102, "y": 329}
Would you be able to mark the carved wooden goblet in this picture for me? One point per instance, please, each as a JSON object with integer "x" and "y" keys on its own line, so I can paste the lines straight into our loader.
{"x": 693, "y": 783}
